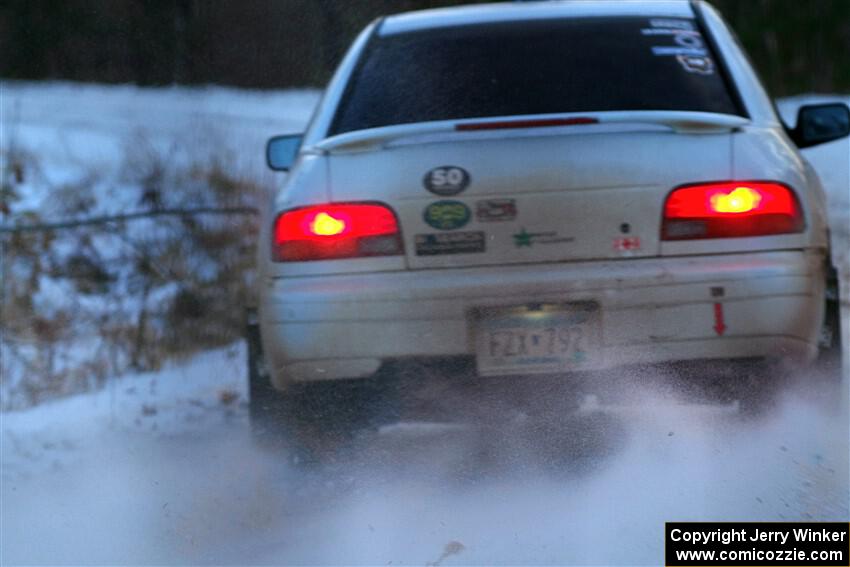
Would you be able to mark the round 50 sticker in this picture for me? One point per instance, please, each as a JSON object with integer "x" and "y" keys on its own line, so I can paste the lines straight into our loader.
{"x": 447, "y": 215}
{"x": 446, "y": 180}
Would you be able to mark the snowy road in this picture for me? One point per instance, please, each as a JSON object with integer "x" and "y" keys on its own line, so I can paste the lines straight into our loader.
{"x": 160, "y": 469}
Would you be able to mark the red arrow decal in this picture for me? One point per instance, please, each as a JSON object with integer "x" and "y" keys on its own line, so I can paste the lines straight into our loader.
{"x": 719, "y": 326}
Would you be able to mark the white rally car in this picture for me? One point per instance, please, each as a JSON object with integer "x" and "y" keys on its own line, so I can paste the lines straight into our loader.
{"x": 537, "y": 188}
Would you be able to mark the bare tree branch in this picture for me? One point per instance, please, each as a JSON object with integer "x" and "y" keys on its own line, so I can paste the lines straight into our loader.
{"x": 129, "y": 217}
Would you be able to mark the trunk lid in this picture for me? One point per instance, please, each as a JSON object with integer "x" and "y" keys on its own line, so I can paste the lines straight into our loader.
{"x": 530, "y": 195}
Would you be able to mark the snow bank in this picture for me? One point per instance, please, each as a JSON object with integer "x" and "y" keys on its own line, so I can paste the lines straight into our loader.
{"x": 182, "y": 397}
{"x": 79, "y": 477}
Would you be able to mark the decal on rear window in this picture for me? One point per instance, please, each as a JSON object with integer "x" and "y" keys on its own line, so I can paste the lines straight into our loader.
{"x": 689, "y": 49}
{"x": 547, "y": 66}
{"x": 668, "y": 23}
{"x": 701, "y": 65}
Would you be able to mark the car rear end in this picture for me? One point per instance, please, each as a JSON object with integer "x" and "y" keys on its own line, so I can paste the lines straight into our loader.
{"x": 542, "y": 190}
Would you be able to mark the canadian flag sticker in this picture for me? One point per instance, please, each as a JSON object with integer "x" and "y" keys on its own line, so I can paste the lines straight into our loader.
{"x": 627, "y": 243}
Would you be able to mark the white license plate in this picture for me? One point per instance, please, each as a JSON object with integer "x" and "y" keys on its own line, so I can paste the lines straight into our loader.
{"x": 537, "y": 339}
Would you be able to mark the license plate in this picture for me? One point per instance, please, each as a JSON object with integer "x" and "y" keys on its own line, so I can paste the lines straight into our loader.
{"x": 537, "y": 338}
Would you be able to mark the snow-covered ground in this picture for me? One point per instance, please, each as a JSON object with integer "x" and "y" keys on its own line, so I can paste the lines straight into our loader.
{"x": 75, "y": 129}
{"x": 74, "y": 126}
{"x": 159, "y": 468}
{"x": 79, "y": 151}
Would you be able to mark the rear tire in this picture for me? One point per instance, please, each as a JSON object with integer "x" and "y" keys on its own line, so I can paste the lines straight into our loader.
{"x": 760, "y": 387}
{"x": 829, "y": 355}
{"x": 321, "y": 421}
{"x": 754, "y": 384}
{"x": 313, "y": 422}
{"x": 266, "y": 403}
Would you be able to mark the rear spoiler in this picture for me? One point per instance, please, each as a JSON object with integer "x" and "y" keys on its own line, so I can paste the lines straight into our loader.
{"x": 685, "y": 122}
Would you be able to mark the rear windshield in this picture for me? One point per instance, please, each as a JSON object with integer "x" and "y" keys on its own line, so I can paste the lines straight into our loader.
{"x": 534, "y": 67}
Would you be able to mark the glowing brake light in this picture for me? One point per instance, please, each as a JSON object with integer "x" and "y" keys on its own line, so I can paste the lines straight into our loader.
{"x": 324, "y": 224}
{"x": 739, "y": 200}
{"x": 333, "y": 231}
{"x": 731, "y": 209}
{"x": 532, "y": 123}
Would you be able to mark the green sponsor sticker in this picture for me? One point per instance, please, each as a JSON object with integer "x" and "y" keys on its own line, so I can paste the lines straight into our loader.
{"x": 447, "y": 215}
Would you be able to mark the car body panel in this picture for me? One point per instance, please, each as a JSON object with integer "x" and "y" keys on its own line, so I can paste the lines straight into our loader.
{"x": 653, "y": 309}
{"x": 570, "y": 196}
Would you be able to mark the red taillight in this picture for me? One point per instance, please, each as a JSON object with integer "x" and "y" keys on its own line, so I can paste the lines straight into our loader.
{"x": 531, "y": 123}
{"x": 731, "y": 209}
{"x": 345, "y": 230}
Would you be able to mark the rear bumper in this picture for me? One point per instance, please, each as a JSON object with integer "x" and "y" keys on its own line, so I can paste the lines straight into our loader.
{"x": 653, "y": 310}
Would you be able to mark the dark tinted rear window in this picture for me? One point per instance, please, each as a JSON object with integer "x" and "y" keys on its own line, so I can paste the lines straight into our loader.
{"x": 536, "y": 67}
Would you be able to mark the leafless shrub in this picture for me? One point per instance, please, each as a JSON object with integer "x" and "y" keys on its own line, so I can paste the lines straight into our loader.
{"x": 84, "y": 304}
